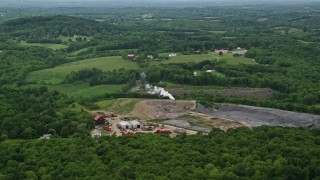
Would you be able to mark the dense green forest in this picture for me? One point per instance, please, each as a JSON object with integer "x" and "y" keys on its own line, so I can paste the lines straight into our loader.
{"x": 260, "y": 153}
{"x": 47, "y": 53}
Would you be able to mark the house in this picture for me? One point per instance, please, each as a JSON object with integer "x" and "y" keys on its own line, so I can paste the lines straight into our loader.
{"x": 46, "y": 136}
{"x": 96, "y": 133}
{"x": 220, "y": 50}
{"x": 172, "y": 55}
{"x": 131, "y": 56}
{"x": 99, "y": 119}
{"x": 135, "y": 124}
{"x": 124, "y": 125}
{"x": 150, "y": 57}
{"x": 240, "y": 52}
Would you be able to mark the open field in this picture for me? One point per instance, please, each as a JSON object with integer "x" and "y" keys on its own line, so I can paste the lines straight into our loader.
{"x": 83, "y": 89}
{"x": 168, "y": 85}
{"x": 67, "y": 39}
{"x": 290, "y": 30}
{"x": 262, "y": 19}
{"x": 50, "y": 46}
{"x": 120, "y": 106}
{"x": 79, "y": 51}
{"x": 244, "y": 92}
{"x": 58, "y": 74}
{"x": 201, "y": 57}
{"x": 258, "y": 116}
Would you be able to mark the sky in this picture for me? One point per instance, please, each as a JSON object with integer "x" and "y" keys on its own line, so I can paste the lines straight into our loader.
{"x": 137, "y": 3}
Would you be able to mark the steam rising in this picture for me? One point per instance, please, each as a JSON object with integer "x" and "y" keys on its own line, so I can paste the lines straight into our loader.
{"x": 158, "y": 90}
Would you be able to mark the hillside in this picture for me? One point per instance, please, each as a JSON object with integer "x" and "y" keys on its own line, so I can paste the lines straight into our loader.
{"x": 50, "y": 27}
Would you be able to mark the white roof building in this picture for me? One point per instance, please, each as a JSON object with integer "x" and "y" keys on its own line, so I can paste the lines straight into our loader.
{"x": 125, "y": 125}
{"x": 135, "y": 124}
{"x": 172, "y": 55}
{"x": 96, "y": 133}
{"x": 46, "y": 136}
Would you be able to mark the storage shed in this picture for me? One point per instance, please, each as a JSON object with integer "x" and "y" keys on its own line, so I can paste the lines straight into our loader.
{"x": 135, "y": 124}
{"x": 124, "y": 125}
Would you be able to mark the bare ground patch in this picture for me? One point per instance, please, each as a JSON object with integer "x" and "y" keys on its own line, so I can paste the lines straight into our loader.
{"x": 162, "y": 109}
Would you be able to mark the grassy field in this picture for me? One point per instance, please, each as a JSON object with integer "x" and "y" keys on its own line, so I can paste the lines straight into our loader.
{"x": 83, "y": 89}
{"x": 201, "y": 57}
{"x": 66, "y": 39}
{"x": 50, "y": 46}
{"x": 290, "y": 30}
{"x": 120, "y": 106}
{"x": 79, "y": 51}
{"x": 262, "y": 19}
{"x": 168, "y": 85}
{"x": 57, "y": 75}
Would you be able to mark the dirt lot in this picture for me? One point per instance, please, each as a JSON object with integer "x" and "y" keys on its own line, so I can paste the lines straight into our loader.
{"x": 246, "y": 92}
{"x": 162, "y": 109}
{"x": 257, "y": 116}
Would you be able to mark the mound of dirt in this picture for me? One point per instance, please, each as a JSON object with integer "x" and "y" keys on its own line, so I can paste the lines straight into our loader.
{"x": 257, "y": 116}
{"x": 162, "y": 109}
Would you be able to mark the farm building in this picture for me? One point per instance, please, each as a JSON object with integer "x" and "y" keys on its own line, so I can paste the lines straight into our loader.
{"x": 240, "y": 52}
{"x": 172, "y": 55}
{"x": 99, "y": 119}
{"x": 96, "y": 133}
{"x": 220, "y": 50}
{"x": 150, "y": 57}
{"x": 46, "y": 136}
{"x": 124, "y": 125}
{"x": 135, "y": 124}
{"x": 131, "y": 56}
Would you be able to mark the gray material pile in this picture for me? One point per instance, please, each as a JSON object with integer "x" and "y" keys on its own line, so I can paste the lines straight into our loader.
{"x": 257, "y": 116}
{"x": 185, "y": 124}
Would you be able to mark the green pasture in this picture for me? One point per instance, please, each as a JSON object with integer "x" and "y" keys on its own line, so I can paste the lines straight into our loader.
{"x": 201, "y": 57}
{"x": 82, "y": 89}
{"x": 120, "y": 106}
{"x": 58, "y": 74}
{"x": 50, "y": 46}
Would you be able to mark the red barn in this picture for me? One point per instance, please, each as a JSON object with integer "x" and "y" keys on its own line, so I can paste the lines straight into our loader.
{"x": 99, "y": 119}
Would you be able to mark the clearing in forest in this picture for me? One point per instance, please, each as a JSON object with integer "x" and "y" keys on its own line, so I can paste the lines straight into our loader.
{"x": 58, "y": 74}
{"x": 82, "y": 89}
{"x": 50, "y": 46}
{"x": 228, "y": 57}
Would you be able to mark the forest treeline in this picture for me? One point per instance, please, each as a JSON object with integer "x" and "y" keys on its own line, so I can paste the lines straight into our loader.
{"x": 258, "y": 153}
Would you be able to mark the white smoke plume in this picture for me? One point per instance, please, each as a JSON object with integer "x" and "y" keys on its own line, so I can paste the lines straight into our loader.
{"x": 158, "y": 90}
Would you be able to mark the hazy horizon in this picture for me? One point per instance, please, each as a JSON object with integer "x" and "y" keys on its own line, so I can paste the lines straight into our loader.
{"x": 142, "y": 3}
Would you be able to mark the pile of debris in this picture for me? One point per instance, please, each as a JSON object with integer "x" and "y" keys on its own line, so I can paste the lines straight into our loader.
{"x": 185, "y": 124}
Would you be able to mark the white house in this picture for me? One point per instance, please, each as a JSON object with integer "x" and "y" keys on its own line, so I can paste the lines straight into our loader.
{"x": 135, "y": 124}
{"x": 96, "y": 133}
{"x": 124, "y": 125}
{"x": 172, "y": 55}
{"x": 150, "y": 57}
{"x": 46, "y": 136}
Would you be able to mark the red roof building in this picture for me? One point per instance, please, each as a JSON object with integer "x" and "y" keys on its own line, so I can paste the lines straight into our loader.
{"x": 99, "y": 119}
{"x": 221, "y": 50}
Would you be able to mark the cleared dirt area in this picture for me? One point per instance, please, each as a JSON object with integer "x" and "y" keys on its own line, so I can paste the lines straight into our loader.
{"x": 257, "y": 116}
{"x": 162, "y": 109}
{"x": 245, "y": 92}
